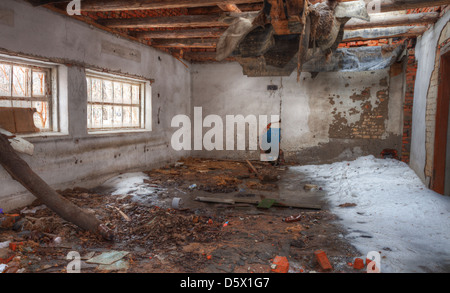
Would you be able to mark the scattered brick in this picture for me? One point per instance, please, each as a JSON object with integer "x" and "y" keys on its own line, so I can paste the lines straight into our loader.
{"x": 359, "y": 264}
{"x": 14, "y": 245}
{"x": 281, "y": 264}
{"x": 323, "y": 260}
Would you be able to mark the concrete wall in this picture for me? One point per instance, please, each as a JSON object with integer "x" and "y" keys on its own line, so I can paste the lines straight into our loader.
{"x": 74, "y": 157}
{"x": 425, "y": 93}
{"x": 337, "y": 115}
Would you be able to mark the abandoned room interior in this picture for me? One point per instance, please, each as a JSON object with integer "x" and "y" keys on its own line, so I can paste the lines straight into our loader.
{"x": 241, "y": 136}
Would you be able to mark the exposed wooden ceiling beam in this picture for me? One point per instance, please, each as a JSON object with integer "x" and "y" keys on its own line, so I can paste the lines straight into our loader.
{"x": 397, "y": 5}
{"x": 181, "y": 34}
{"x": 45, "y": 2}
{"x": 184, "y": 21}
{"x": 185, "y": 43}
{"x": 382, "y": 20}
{"x": 384, "y": 33}
{"x": 117, "y": 5}
{"x": 216, "y": 9}
{"x": 172, "y": 38}
{"x": 164, "y": 22}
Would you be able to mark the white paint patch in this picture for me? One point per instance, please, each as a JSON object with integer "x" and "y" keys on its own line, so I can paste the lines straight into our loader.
{"x": 394, "y": 213}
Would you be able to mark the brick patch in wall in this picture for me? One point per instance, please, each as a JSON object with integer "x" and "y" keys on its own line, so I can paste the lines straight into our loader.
{"x": 411, "y": 71}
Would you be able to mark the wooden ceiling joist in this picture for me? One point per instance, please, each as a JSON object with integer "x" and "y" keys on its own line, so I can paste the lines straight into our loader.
{"x": 186, "y": 21}
{"x": 398, "y": 5}
{"x": 121, "y": 5}
{"x": 181, "y": 34}
{"x": 216, "y": 9}
{"x": 384, "y": 33}
{"x": 45, "y": 2}
{"x": 349, "y": 36}
{"x": 382, "y": 20}
{"x": 164, "y": 22}
{"x": 187, "y": 43}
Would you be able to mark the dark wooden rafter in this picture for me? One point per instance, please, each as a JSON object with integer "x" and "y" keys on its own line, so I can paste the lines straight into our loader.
{"x": 164, "y": 22}
{"x": 214, "y": 21}
{"x": 120, "y": 5}
{"x": 216, "y": 9}
{"x": 181, "y": 34}
{"x": 45, "y": 2}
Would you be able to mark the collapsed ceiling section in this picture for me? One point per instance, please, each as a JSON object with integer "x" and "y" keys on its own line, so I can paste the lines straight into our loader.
{"x": 285, "y": 33}
{"x": 267, "y": 37}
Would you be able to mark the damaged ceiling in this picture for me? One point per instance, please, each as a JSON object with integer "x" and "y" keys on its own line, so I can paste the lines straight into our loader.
{"x": 270, "y": 37}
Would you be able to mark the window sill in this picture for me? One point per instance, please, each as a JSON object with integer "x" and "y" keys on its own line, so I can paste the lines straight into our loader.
{"x": 117, "y": 132}
{"x": 42, "y": 135}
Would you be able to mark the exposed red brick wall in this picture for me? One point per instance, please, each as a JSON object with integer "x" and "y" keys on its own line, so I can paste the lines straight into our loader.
{"x": 369, "y": 43}
{"x": 411, "y": 71}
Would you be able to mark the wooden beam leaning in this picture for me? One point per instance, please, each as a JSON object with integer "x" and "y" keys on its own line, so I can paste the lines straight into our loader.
{"x": 20, "y": 171}
{"x": 381, "y": 20}
{"x": 164, "y": 22}
{"x": 181, "y": 34}
{"x": 118, "y": 5}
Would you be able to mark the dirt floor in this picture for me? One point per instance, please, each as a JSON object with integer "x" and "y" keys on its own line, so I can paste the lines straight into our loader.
{"x": 228, "y": 233}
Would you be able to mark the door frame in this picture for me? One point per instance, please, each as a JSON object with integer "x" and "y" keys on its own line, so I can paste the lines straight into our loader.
{"x": 442, "y": 118}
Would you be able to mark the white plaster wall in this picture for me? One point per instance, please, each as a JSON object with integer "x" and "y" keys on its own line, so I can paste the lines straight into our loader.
{"x": 425, "y": 55}
{"x": 78, "y": 158}
{"x": 305, "y": 107}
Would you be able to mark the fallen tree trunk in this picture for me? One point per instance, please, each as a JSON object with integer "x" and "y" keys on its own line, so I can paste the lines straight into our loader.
{"x": 21, "y": 172}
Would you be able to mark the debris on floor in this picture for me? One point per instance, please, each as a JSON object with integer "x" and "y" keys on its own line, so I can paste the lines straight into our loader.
{"x": 218, "y": 226}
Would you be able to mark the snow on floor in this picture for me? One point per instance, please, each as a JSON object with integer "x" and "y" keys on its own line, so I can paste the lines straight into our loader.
{"x": 133, "y": 184}
{"x": 394, "y": 213}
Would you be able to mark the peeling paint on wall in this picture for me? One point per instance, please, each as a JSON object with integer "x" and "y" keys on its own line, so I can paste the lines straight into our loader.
{"x": 361, "y": 115}
{"x": 322, "y": 116}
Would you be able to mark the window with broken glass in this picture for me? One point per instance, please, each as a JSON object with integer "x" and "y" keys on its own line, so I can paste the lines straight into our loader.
{"x": 27, "y": 86}
{"x": 114, "y": 103}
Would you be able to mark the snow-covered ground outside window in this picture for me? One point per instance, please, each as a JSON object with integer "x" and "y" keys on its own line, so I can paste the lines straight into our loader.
{"x": 394, "y": 214}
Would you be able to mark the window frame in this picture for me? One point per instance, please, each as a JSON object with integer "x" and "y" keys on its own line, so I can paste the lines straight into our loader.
{"x": 102, "y": 76}
{"x": 51, "y": 96}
